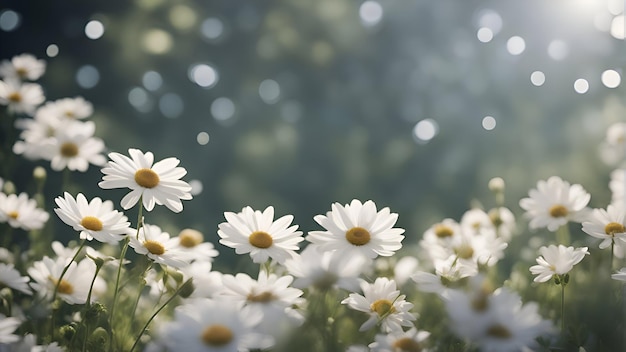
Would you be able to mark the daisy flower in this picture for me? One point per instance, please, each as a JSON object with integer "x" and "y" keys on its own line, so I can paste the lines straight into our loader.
{"x": 503, "y": 221}
{"x": 155, "y": 183}
{"x": 383, "y": 303}
{"x": 208, "y": 325}
{"x": 607, "y": 225}
{"x": 192, "y": 242}
{"x": 358, "y": 229}
{"x": 21, "y": 212}
{"x": 10, "y": 277}
{"x": 554, "y": 203}
{"x": 94, "y": 219}
{"x": 257, "y": 233}
{"x": 8, "y": 325}
{"x": 21, "y": 98}
{"x": 158, "y": 246}
{"x": 618, "y": 187}
{"x": 22, "y": 67}
{"x": 75, "y": 147}
{"x": 74, "y": 285}
{"x": 207, "y": 283}
{"x": 68, "y": 108}
{"x": 476, "y": 221}
{"x": 399, "y": 341}
{"x": 556, "y": 261}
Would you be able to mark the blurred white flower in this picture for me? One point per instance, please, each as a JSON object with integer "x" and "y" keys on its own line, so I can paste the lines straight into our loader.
{"x": 22, "y": 67}
{"x": 554, "y": 203}
{"x": 21, "y": 212}
{"x": 384, "y": 304}
{"x": 255, "y": 232}
{"x": 206, "y": 283}
{"x": 438, "y": 237}
{"x": 35, "y": 134}
{"x": 476, "y": 221}
{"x": 158, "y": 246}
{"x": 192, "y": 243}
{"x": 504, "y": 222}
{"x": 74, "y": 147}
{"x": 8, "y": 325}
{"x": 358, "y": 229}
{"x": 12, "y": 278}
{"x": 21, "y": 97}
{"x": 67, "y": 108}
{"x": 94, "y": 219}
{"x": 404, "y": 268}
{"x": 620, "y": 275}
{"x": 447, "y": 271}
{"x": 400, "y": 341}
{"x": 556, "y": 261}
{"x": 607, "y": 225}
{"x": 29, "y": 344}
{"x": 154, "y": 183}
{"x": 618, "y": 187}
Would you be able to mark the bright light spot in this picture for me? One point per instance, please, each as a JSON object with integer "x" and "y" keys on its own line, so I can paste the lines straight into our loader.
{"x": 537, "y": 78}
{"x": 611, "y": 78}
{"x": 9, "y": 20}
{"x": 212, "y": 28}
{"x": 94, "y": 29}
{"x": 558, "y": 50}
{"x": 269, "y": 90}
{"x": 425, "y": 130}
{"x": 152, "y": 80}
{"x": 484, "y": 34}
{"x": 516, "y": 45}
{"x": 157, "y": 41}
{"x": 171, "y": 105}
{"x": 490, "y": 19}
{"x": 616, "y": 7}
{"x": 489, "y": 123}
{"x": 203, "y": 75}
{"x": 602, "y": 21}
{"x": 138, "y": 98}
{"x": 196, "y": 187}
{"x": 182, "y": 17}
{"x": 52, "y": 50}
{"x": 222, "y": 109}
{"x": 581, "y": 86}
{"x": 371, "y": 13}
{"x": 617, "y": 27}
{"x": 202, "y": 138}
{"x": 87, "y": 76}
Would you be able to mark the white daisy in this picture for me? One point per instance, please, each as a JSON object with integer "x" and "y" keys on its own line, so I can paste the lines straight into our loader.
{"x": 400, "y": 341}
{"x": 384, "y": 304}
{"x": 73, "y": 287}
{"x": 158, "y": 246}
{"x": 94, "y": 219}
{"x": 257, "y": 233}
{"x": 22, "y": 67}
{"x": 152, "y": 182}
{"x": 358, "y": 229}
{"x": 8, "y": 325}
{"x": 608, "y": 225}
{"x": 12, "y": 278}
{"x": 556, "y": 261}
{"x": 21, "y": 212}
{"x": 35, "y": 134}
{"x": 476, "y": 221}
{"x": 21, "y": 97}
{"x": 504, "y": 222}
{"x": 554, "y": 203}
{"x": 206, "y": 283}
{"x": 620, "y": 275}
{"x": 447, "y": 272}
{"x": 75, "y": 147}
{"x": 618, "y": 187}
{"x": 192, "y": 242}
{"x": 68, "y": 108}
{"x": 208, "y": 325}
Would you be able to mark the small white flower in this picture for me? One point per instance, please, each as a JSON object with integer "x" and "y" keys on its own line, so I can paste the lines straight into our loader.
{"x": 437, "y": 239}
{"x": 21, "y": 97}
{"x": 22, "y": 67}
{"x": 384, "y": 304}
{"x": 73, "y": 287}
{"x": 158, "y": 246}
{"x": 358, "y": 229}
{"x": 554, "y": 203}
{"x": 68, "y": 108}
{"x": 155, "y": 183}
{"x": 36, "y": 133}
{"x": 556, "y": 261}
{"x": 257, "y": 233}
{"x": 400, "y": 341}
{"x": 192, "y": 242}
{"x": 206, "y": 283}
{"x": 75, "y": 147}
{"x": 608, "y": 225}
{"x": 21, "y": 212}
{"x": 8, "y": 325}
{"x": 475, "y": 221}
{"x": 504, "y": 222}
{"x": 12, "y": 278}
{"x": 94, "y": 219}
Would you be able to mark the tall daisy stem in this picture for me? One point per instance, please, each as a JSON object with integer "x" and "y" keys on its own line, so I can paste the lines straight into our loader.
{"x": 562, "y": 309}
{"x": 115, "y": 293}
{"x": 88, "y": 305}
{"x": 611, "y": 256}
{"x": 563, "y": 235}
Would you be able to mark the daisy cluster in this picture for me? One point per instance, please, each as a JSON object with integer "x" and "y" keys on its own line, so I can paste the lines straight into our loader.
{"x": 340, "y": 287}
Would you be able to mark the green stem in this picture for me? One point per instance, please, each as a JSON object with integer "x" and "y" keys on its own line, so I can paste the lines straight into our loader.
{"x": 145, "y": 327}
{"x": 612, "y": 254}
{"x": 56, "y": 287}
{"x": 562, "y": 308}
{"x": 115, "y": 293}
{"x": 88, "y": 305}
{"x": 563, "y": 235}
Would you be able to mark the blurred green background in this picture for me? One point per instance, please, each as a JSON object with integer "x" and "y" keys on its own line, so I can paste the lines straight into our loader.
{"x": 298, "y": 104}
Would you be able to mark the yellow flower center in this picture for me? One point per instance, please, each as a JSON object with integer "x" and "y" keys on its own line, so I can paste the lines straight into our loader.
{"x": 464, "y": 251}
{"x": 613, "y": 227}
{"x": 480, "y": 303}
{"x": 260, "y": 239}
{"x": 358, "y": 236}
{"x": 147, "y": 178}
{"x": 558, "y": 211}
{"x": 494, "y": 216}
{"x": 190, "y": 238}
{"x": 64, "y": 287}
{"x": 262, "y": 297}
{"x": 443, "y": 231}
{"x": 217, "y": 335}
{"x": 15, "y": 97}
{"x": 13, "y": 214}
{"x": 499, "y": 331}
{"x": 69, "y": 149}
{"x": 382, "y": 307}
{"x": 154, "y": 247}
{"x": 69, "y": 114}
{"x": 91, "y": 223}
{"x": 21, "y": 71}
{"x": 406, "y": 344}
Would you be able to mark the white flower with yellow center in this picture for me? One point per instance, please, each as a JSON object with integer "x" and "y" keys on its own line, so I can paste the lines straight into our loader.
{"x": 608, "y": 225}
{"x": 21, "y": 97}
{"x": 94, "y": 219}
{"x": 192, "y": 242}
{"x": 73, "y": 288}
{"x": 75, "y": 147}
{"x": 257, "y": 233}
{"x": 554, "y": 203}
{"x": 503, "y": 221}
{"x": 158, "y": 246}
{"x": 206, "y": 283}
{"x": 8, "y": 325}
{"x": 68, "y": 108}
{"x": 556, "y": 261}
{"x": 35, "y": 134}
{"x": 21, "y": 212}
{"x": 154, "y": 183}
{"x": 12, "y": 278}
{"x": 475, "y": 221}
{"x": 358, "y": 229}
{"x": 213, "y": 326}
{"x": 384, "y": 304}
{"x": 618, "y": 187}
{"x": 22, "y": 67}
{"x": 400, "y": 341}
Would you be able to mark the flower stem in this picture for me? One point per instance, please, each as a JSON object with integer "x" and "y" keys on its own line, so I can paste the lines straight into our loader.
{"x": 562, "y": 308}
{"x": 56, "y": 287}
{"x": 563, "y": 235}
{"x": 612, "y": 254}
{"x": 88, "y": 305}
{"x": 115, "y": 293}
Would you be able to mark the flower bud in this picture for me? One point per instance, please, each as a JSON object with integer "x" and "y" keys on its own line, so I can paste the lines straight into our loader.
{"x": 496, "y": 185}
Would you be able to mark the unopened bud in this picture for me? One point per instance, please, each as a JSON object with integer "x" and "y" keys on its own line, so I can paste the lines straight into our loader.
{"x": 40, "y": 174}
{"x": 187, "y": 289}
{"x": 496, "y": 184}
{"x": 9, "y": 187}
